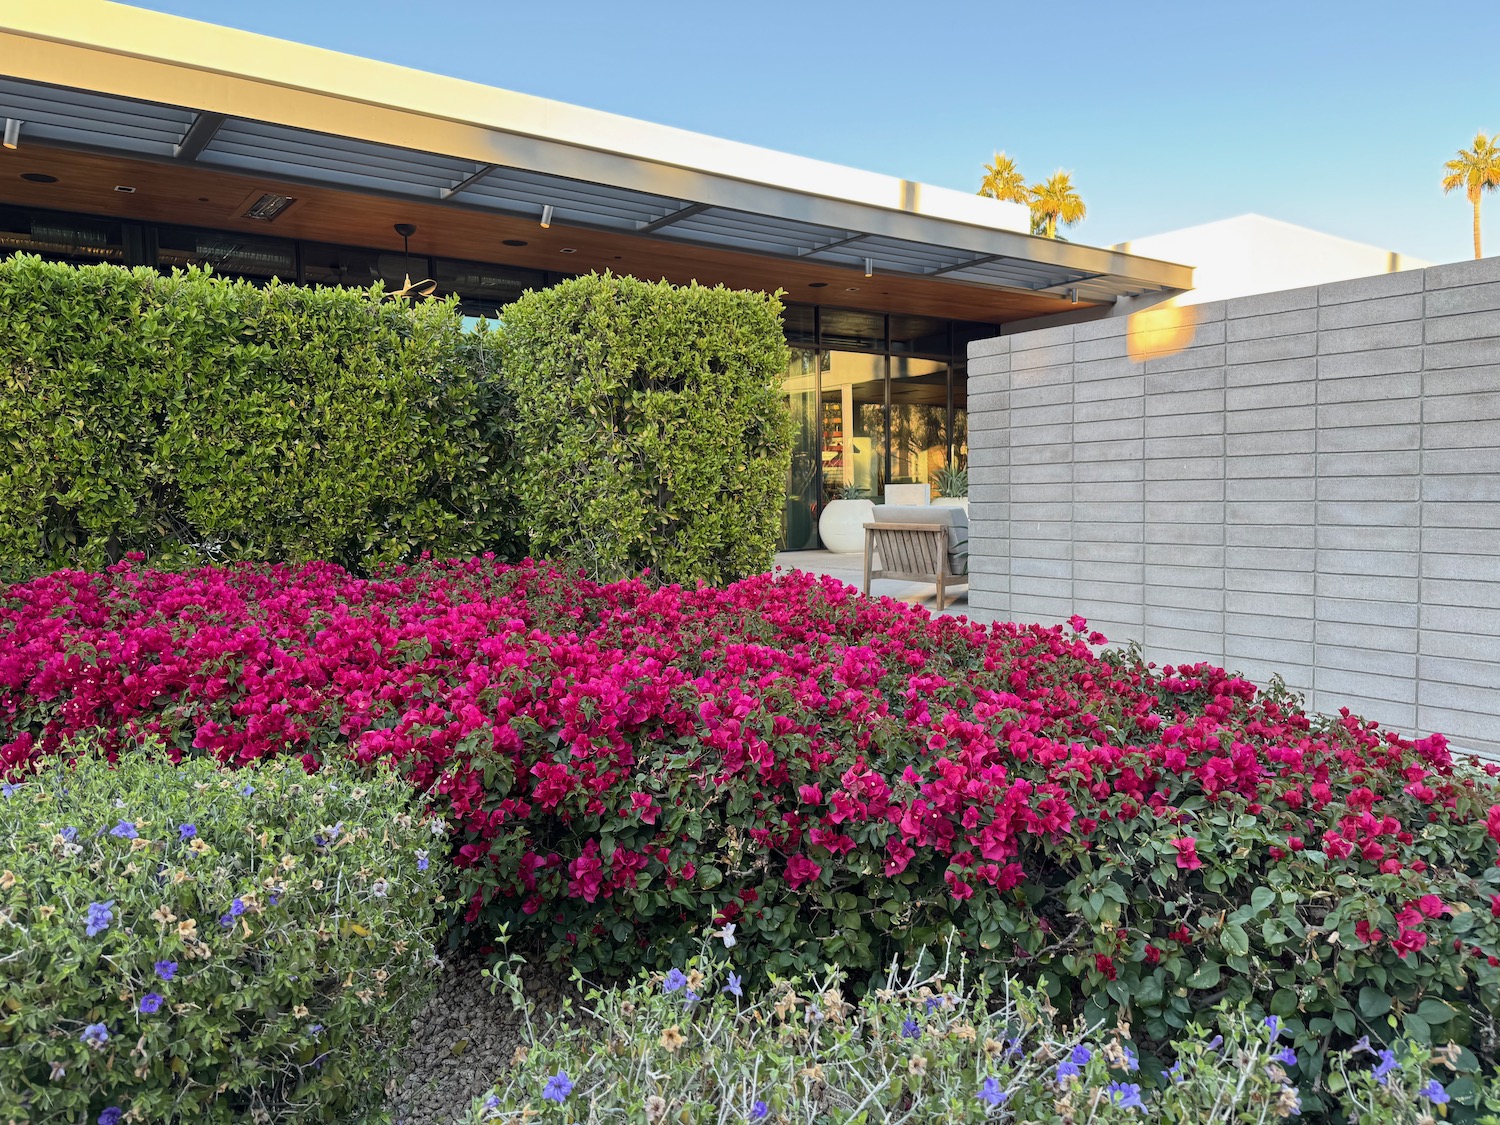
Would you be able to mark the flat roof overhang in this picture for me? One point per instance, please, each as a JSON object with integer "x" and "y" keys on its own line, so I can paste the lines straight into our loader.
{"x": 200, "y": 113}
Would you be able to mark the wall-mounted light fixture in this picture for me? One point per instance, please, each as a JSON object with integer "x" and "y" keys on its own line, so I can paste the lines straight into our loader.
{"x": 12, "y": 132}
{"x": 1072, "y": 296}
{"x": 869, "y": 267}
{"x": 546, "y": 216}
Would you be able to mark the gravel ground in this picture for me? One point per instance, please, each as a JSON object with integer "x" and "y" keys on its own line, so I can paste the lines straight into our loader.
{"x": 463, "y": 1042}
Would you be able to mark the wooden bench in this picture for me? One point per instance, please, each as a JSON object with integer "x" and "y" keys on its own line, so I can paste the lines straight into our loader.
{"x": 915, "y": 550}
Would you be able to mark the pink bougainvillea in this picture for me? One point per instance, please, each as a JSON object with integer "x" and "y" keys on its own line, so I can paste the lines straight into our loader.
{"x": 620, "y": 764}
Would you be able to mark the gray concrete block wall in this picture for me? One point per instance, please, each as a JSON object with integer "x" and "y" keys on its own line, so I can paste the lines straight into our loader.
{"x": 1309, "y": 488}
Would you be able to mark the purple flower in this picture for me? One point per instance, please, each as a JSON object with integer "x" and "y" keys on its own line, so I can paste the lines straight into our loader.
{"x": 689, "y": 998}
{"x": 237, "y": 907}
{"x": 422, "y": 863}
{"x": 1273, "y": 1025}
{"x": 910, "y": 1028}
{"x": 1175, "y": 1070}
{"x": 226, "y": 920}
{"x": 247, "y": 790}
{"x": 1131, "y": 1062}
{"x": 110, "y": 1116}
{"x": 758, "y": 1109}
{"x": 95, "y": 1035}
{"x": 1434, "y": 1092}
{"x": 1067, "y": 1069}
{"x": 990, "y": 1092}
{"x": 100, "y": 916}
{"x": 69, "y": 833}
{"x": 1286, "y": 1056}
{"x": 674, "y": 980}
{"x": 166, "y": 969}
{"x": 125, "y": 830}
{"x": 1216, "y": 1042}
{"x": 733, "y": 987}
{"x": 9, "y": 790}
{"x": 187, "y": 831}
{"x": 1385, "y": 1066}
{"x": 275, "y": 900}
{"x": 1125, "y": 1095}
{"x": 1081, "y": 1055}
{"x": 151, "y": 1003}
{"x": 933, "y": 1004}
{"x": 492, "y": 1102}
{"x": 1014, "y": 1047}
{"x": 558, "y": 1087}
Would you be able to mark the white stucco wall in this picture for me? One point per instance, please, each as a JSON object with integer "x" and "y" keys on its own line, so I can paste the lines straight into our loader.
{"x": 1252, "y": 254}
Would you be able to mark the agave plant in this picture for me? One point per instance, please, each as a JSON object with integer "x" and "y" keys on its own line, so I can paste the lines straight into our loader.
{"x": 951, "y": 481}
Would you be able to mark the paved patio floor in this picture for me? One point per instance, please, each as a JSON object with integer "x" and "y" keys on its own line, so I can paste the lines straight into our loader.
{"x": 850, "y": 568}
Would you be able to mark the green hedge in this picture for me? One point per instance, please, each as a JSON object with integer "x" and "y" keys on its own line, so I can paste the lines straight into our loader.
{"x": 650, "y": 430}
{"x": 194, "y": 418}
{"x": 182, "y": 944}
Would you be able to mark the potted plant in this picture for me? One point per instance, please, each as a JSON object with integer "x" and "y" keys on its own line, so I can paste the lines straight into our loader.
{"x": 953, "y": 487}
{"x": 842, "y": 524}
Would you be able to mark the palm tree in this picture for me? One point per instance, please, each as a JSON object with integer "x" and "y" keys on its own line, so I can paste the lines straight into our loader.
{"x": 1055, "y": 200}
{"x": 1475, "y": 171}
{"x": 1003, "y": 180}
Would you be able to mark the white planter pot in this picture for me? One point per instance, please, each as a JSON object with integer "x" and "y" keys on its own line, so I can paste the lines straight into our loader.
{"x": 953, "y": 502}
{"x": 842, "y": 525}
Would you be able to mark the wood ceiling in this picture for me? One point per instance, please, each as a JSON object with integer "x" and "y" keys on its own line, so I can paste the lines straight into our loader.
{"x": 190, "y": 195}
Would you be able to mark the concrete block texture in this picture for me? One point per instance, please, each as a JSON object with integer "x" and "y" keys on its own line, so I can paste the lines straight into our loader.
{"x": 1309, "y": 489}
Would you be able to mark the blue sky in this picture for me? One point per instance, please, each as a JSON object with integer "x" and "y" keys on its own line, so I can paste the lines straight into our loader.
{"x": 1333, "y": 115}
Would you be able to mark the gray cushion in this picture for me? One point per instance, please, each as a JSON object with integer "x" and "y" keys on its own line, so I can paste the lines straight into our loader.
{"x": 956, "y": 520}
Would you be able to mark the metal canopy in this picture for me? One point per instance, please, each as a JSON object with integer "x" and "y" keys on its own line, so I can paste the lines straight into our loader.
{"x": 72, "y": 118}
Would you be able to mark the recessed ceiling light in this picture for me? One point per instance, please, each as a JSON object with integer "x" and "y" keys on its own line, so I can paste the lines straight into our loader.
{"x": 39, "y": 177}
{"x": 124, "y": 189}
{"x": 851, "y": 289}
{"x": 817, "y": 285}
{"x": 568, "y": 250}
{"x": 514, "y": 242}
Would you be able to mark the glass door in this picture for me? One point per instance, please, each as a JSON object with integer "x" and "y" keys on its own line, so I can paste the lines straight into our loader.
{"x": 799, "y": 521}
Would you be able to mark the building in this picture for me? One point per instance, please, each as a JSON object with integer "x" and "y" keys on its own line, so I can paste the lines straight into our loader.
{"x": 1251, "y": 254}
{"x": 146, "y": 139}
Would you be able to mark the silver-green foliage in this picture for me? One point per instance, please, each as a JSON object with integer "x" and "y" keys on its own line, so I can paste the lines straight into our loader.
{"x": 684, "y": 1049}
{"x": 183, "y": 944}
{"x": 650, "y": 428}
{"x": 195, "y": 418}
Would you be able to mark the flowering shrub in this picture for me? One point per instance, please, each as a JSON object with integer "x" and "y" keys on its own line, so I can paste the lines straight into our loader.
{"x": 835, "y": 778}
{"x": 185, "y": 944}
{"x": 699, "y": 1046}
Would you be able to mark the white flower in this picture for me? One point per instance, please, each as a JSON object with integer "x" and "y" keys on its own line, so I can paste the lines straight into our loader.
{"x": 726, "y": 935}
{"x": 379, "y": 888}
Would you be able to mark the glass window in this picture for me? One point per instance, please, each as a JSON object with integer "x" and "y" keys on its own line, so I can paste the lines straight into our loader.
{"x": 920, "y": 335}
{"x": 919, "y": 419}
{"x": 801, "y": 325}
{"x": 851, "y": 330}
{"x": 853, "y": 421}
{"x": 358, "y": 268}
{"x": 60, "y": 237}
{"x": 235, "y": 255}
{"x": 484, "y": 289}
